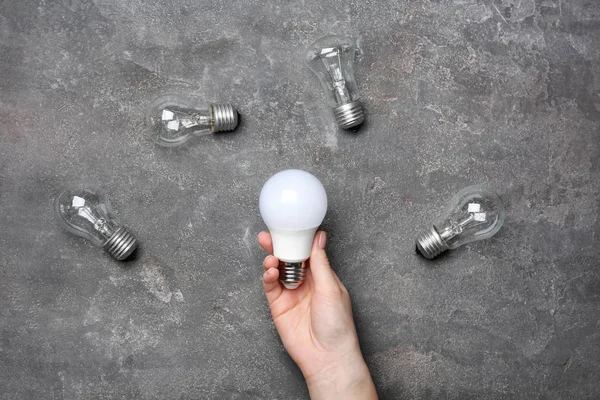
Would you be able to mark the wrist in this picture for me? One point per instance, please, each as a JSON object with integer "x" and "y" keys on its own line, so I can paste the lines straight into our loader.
{"x": 348, "y": 378}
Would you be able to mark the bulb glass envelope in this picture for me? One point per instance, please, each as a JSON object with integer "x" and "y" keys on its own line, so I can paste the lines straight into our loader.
{"x": 474, "y": 213}
{"x": 174, "y": 120}
{"x": 331, "y": 58}
{"x": 87, "y": 213}
{"x": 293, "y": 200}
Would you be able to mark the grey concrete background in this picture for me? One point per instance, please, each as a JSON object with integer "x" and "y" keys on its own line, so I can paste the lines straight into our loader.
{"x": 500, "y": 92}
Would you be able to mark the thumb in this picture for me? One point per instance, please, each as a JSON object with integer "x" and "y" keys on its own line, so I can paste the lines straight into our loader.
{"x": 319, "y": 264}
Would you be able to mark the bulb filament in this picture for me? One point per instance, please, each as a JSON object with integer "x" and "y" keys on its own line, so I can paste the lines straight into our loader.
{"x": 173, "y": 120}
{"x": 456, "y": 228}
{"x": 100, "y": 224}
{"x": 335, "y": 71}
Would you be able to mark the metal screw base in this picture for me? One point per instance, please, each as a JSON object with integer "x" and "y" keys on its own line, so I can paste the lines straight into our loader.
{"x": 225, "y": 117}
{"x": 349, "y": 115}
{"x": 291, "y": 275}
{"x": 121, "y": 244}
{"x": 430, "y": 244}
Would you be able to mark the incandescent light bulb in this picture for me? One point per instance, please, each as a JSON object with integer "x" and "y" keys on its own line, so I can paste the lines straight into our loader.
{"x": 173, "y": 120}
{"x": 474, "y": 213}
{"x": 88, "y": 214}
{"x": 331, "y": 58}
{"x": 293, "y": 204}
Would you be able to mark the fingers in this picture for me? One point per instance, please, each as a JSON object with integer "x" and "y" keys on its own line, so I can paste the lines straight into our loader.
{"x": 271, "y": 262}
{"x": 323, "y": 276}
{"x": 271, "y": 284}
{"x": 264, "y": 239}
{"x": 270, "y": 278}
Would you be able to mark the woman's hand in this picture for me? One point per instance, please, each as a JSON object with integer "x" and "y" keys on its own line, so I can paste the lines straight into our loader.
{"x": 316, "y": 326}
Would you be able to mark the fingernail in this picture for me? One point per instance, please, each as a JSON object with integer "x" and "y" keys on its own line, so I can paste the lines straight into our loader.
{"x": 322, "y": 239}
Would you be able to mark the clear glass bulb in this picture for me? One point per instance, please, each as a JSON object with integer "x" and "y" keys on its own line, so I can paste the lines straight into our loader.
{"x": 474, "y": 213}
{"x": 331, "y": 58}
{"x": 174, "y": 120}
{"x": 87, "y": 213}
{"x": 293, "y": 203}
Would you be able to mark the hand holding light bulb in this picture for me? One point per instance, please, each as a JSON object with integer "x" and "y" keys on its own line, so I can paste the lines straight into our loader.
{"x": 174, "y": 120}
{"x": 315, "y": 319}
{"x": 316, "y": 326}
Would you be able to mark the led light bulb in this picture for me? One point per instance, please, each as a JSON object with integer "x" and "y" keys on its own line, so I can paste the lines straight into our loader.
{"x": 474, "y": 213}
{"x": 173, "y": 120}
{"x": 88, "y": 214}
{"x": 293, "y": 204}
{"x": 331, "y": 58}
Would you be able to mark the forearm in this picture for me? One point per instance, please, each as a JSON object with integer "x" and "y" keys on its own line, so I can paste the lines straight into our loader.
{"x": 347, "y": 379}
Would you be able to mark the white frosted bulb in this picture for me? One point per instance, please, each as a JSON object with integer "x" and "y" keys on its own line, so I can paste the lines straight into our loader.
{"x": 293, "y": 204}
{"x": 173, "y": 120}
{"x": 474, "y": 213}
{"x": 331, "y": 58}
{"x": 87, "y": 213}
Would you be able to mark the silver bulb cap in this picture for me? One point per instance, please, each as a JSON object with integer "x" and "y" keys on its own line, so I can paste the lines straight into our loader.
{"x": 430, "y": 244}
{"x": 121, "y": 244}
{"x": 291, "y": 275}
{"x": 225, "y": 117}
{"x": 349, "y": 115}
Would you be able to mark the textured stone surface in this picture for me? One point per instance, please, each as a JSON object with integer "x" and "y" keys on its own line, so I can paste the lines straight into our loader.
{"x": 501, "y": 92}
